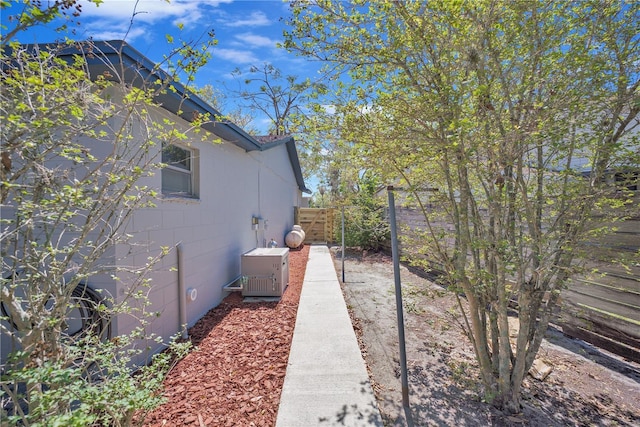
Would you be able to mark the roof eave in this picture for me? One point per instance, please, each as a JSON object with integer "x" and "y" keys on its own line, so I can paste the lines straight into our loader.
{"x": 295, "y": 163}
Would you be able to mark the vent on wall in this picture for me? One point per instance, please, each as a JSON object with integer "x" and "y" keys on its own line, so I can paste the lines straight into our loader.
{"x": 265, "y": 271}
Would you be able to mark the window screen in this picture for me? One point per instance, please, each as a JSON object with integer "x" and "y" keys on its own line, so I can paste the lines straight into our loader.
{"x": 177, "y": 175}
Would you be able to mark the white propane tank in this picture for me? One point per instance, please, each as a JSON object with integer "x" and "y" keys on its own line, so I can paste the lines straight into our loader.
{"x": 294, "y": 239}
{"x": 299, "y": 229}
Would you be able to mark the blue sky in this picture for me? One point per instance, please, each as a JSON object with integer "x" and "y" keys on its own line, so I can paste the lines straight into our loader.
{"x": 247, "y": 33}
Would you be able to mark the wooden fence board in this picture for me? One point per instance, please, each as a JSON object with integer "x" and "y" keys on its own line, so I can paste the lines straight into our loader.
{"x": 621, "y": 298}
{"x": 603, "y": 341}
{"x": 317, "y": 223}
{"x": 602, "y": 308}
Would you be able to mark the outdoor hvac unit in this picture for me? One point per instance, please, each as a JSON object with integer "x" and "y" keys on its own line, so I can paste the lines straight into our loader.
{"x": 265, "y": 272}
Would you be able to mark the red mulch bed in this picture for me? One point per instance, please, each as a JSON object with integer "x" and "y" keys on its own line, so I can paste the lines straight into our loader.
{"x": 235, "y": 375}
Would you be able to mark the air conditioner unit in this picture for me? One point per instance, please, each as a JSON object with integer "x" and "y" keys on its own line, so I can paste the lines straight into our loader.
{"x": 265, "y": 272}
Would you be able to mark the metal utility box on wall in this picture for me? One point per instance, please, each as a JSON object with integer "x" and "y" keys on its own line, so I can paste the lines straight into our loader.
{"x": 265, "y": 271}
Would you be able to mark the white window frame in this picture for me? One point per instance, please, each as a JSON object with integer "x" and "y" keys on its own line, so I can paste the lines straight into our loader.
{"x": 190, "y": 172}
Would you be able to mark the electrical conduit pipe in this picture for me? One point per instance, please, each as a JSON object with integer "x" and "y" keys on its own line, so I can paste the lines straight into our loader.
{"x": 182, "y": 293}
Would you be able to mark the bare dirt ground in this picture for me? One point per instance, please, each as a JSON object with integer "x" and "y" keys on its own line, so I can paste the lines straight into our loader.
{"x": 586, "y": 387}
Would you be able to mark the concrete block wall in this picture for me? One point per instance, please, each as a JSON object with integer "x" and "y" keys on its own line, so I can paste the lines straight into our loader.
{"x": 214, "y": 229}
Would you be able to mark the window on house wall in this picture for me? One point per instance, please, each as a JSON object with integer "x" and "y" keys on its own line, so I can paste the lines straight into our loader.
{"x": 178, "y": 174}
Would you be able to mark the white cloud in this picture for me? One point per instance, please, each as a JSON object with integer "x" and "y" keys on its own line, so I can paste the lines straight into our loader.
{"x": 253, "y": 40}
{"x": 235, "y": 56}
{"x": 112, "y": 19}
{"x": 149, "y": 11}
{"x": 115, "y": 34}
{"x": 255, "y": 19}
{"x": 329, "y": 108}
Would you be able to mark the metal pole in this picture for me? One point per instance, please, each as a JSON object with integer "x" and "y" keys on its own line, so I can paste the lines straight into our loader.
{"x": 343, "y": 244}
{"x": 398, "y": 287}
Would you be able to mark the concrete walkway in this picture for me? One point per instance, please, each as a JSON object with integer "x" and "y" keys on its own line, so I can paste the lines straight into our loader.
{"x": 326, "y": 382}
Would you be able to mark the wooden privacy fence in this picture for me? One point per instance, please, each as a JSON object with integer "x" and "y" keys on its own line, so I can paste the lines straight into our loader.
{"x": 317, "y": 223}
{"x": 600, "y": 307}
{"x": 603, "y": 306}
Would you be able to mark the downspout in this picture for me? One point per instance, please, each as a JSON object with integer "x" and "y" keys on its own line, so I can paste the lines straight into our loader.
{"x": 182, "y": 294}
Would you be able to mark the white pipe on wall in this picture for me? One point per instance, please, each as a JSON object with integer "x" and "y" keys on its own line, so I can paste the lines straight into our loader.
{"x": 182, "y": 293}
